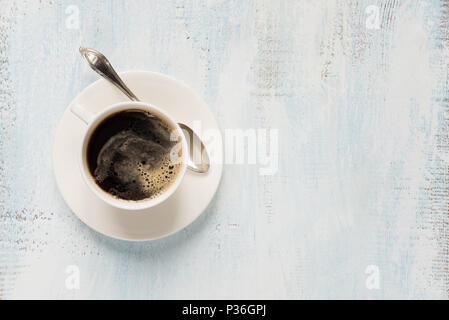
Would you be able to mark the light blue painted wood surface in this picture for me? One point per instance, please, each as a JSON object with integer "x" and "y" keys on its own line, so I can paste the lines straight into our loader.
{"x": 361, "y": 108}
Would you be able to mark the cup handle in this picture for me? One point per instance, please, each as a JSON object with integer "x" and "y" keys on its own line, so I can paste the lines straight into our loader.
{"x": 82, "y": 113}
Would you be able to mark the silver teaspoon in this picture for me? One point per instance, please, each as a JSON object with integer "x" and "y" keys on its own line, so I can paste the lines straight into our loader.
{"x": 98, "y": 62}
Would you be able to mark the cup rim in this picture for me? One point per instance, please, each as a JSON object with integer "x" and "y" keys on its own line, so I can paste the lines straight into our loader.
{"x": 89, "y": 179}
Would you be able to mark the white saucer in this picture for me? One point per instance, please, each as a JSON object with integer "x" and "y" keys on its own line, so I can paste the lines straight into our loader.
{"x": 182, "y": 208}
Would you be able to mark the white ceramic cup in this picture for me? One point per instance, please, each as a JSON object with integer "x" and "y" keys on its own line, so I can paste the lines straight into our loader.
{"x": 92, "y": 121}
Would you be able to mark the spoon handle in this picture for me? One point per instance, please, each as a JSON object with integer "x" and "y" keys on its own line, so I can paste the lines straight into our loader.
{"x": 102, "y": 66}
{"x": 98, "y": 62}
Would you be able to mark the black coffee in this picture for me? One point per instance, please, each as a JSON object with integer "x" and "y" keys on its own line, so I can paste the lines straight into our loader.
{"x": 128, "y": 154}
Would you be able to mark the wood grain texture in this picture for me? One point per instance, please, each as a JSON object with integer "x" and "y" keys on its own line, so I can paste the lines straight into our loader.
{"x": 362, "y": 114}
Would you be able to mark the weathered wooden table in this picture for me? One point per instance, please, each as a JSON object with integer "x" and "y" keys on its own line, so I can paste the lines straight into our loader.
{"x": 358, "y": 91}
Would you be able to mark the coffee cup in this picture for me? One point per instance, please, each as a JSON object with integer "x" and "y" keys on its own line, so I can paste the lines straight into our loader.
{"x": 129, "y": 169}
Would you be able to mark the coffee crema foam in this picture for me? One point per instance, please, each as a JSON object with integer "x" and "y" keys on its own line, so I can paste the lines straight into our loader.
{"x": 129, "y": 155}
